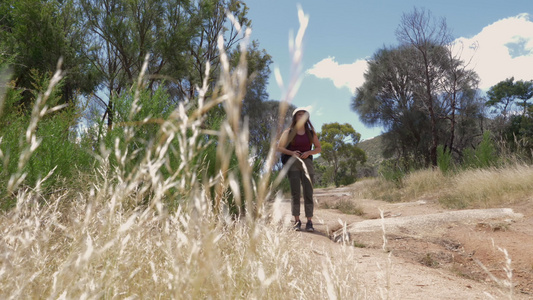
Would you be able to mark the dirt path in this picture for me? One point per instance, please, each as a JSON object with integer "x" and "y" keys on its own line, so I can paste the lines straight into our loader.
{"x": 431, "y": 252}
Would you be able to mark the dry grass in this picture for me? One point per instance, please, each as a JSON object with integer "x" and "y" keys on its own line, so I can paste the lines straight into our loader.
{"x": 424, "y": 183}
{"x": 87, "y": 250}
{"x": 345, "y": 206}
{"x": 483, "y": 188}
{"x": 377, "y": 188}
{"x": 473, "y": 188}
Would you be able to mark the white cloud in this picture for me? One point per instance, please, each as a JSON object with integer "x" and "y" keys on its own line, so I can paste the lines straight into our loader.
{"x": 503, "y": 49}
{"x": 343, "y": 76}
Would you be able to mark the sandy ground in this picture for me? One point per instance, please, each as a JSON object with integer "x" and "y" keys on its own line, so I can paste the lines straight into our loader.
{"x": 428, "y": 252}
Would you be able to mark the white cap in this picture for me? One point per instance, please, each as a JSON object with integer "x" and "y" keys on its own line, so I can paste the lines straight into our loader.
{"x": 300, "y": 109}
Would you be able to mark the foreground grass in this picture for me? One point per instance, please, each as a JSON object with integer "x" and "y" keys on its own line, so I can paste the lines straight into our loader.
{"x": 471, "y": 188}
{"x": 88, "y": 249}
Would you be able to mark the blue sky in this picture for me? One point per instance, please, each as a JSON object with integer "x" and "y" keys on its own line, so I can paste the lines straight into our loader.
{"x": 342, "y": 34}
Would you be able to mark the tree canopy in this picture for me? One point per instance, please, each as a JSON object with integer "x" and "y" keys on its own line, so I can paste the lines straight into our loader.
{"x": 509, "y": 93}
{"x": 103, "y": 46}
{"x": 511, "y": 103}
{"x": 340, "y": 151}
{"x": 418, "y": 90}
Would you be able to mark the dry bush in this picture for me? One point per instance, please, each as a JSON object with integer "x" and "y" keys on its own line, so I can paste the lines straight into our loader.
{"x": 377, "y": 188}
{"x": 470, "y": 188}
{"x": 345, "y": 206}
{"x": 492, "y": 187}
{"x": 426, "y": 183}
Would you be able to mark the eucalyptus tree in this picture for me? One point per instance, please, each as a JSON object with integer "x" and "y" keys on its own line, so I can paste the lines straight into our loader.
{"x": 121, "y": 33}
{"x": 429, "y": 37}
{"x": 508, "y": 94}
{"x": 214, "y": 21}
{"x": 388, "y": 98}
{"x": 260, "y": 113}
{"x": 418, "y": 90}
{"x": 180, "y": 37}
{"x": 34, "y": 35}
{"x": 511, "y": 102}
{"x": 462, "y": 105}
{"x": 340, "y": 150}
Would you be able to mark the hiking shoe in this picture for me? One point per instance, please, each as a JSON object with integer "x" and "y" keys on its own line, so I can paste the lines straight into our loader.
{"x": 309, "y": 226}
{"x": 297, "y": 225}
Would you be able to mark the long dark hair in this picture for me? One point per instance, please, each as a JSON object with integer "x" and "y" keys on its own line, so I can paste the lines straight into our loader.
{"x": 309, "y": 129}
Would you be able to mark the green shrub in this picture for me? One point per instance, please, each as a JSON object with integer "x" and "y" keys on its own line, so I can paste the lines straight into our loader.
{"x": 392, "y": 171}
{"x": 53, "y": 144}
{"x": 484, "y": 156}
{"x": 444, "y": 159}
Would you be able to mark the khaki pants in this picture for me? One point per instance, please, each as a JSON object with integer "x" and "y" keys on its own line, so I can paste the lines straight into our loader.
{"x": 297, "y": 179}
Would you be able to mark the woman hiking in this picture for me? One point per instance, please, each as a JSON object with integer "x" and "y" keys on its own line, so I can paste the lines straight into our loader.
{"x": 301, "y": 142}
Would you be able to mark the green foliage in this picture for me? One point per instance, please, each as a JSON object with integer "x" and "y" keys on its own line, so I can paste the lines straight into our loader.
{"x": 507, "y": 93}
{"x": 485, "y": 155}
{"x": 285, "y": 185}
{"x": 444, "y": 159}
{"x": 340, "y": 151}
{"x": 515, "y": 130}
{"x": 264, "y": 122}
{"x": 103, "y": 46}
{"x": 58, "y": 150}
{"x": 263, "y": 115}
{"x": 322, "y": 178}
{"x": 35, "y": 35}
{"x": 345, "y": 178}
{"x": 418, "y": 91}
{"x": 374, "y": 150}
{"x": 12, "y": 124}
{"x": 486, "y": 152}
{"x": 139, "y": 115}
{"x": 518, "y": 135}
{"x": 392, "y": 171}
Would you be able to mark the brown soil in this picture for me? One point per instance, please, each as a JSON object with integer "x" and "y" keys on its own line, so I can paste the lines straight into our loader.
{"x": 456, "y": 259}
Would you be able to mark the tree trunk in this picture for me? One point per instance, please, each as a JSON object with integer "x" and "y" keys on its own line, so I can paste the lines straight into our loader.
{"x": 433, "y": 118}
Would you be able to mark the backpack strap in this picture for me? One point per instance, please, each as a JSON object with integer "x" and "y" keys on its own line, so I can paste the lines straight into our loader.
{"x": 292, "y": 134}
{"x": 310, "y": 135}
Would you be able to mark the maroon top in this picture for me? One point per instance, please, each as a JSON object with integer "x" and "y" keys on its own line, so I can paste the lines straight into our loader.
{"x": 300, "y": 143}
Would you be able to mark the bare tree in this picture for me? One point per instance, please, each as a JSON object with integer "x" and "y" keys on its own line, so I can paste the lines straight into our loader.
{"x": 460, "y": 89}
{"x": 430, "y": 37}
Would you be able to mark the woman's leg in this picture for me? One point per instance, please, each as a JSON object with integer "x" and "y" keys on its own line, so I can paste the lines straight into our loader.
{"x": 307, "y": 184}
{"x": 308, "y": 197}
{"x": 295, "y": 182}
